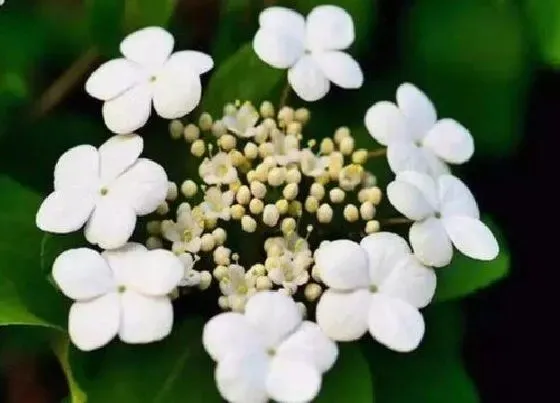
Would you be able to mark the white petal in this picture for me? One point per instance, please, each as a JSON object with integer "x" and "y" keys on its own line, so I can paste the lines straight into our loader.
{"x": 395, "y": 323}
{"x": 273, "y": 314}
{"x": 276, "y": 48}
{"x": 329, "y": 28}
{"x": 450, "y": 141}
{"x": 130, "y": 110}
{"x": 177, "y": 90}
{"x": 64, "y": 212}
{"x": 308, "y": 343}
{"x": 430, "y": 242}
{"x": 455, "y": 198}
{"x": 343, "y": 315}
{"x": 409, "y": 200}
{"x": 417, "y": 108}
{"x": 425, "y": 183}
{"x": 292, "y": 380}
{"x": 241, "y": 376}
{"x": 94, "y": 323}
{"x": 340, "y": 68}
{"x": 117, "y": 154}
{"x": 111, "y": 223}
{"x": 82, "y": 274}
{"x": 145, "y": 319}
{"x": 410, "y": 281}
{"x": 77, "y": 169}
{"x": 385, "y": 250}
{"x": 343, "y": 265}
{"x": 150, "y": 47}
{"x": 283, "y": 20}
{"x": 112, "y": 79}
{"x": 197, "y": 62}
{"x": 143, "y": 186}
{"x": 386, "y": 123}
{"x": 157, "y": 273}
{"x": 407, "y": 156}
{"x": 124, "y": 261}
{"x": 435, "y": 165}
{"x": 308, "y": 80}
{"x": 229, "y": 332}
{"x": 471, "y": 237}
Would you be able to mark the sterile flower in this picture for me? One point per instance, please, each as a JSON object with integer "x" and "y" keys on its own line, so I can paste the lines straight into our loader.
{"x": 415, "y": 139}
{"x": 119, "y": 292}
{"x": 216, "y": 204}
{"x": 106, "y": 187}
{"x": 268, "y": 352}
{"x": 311, "y": 48}
{"x": 377, "y": 285}
{"x": 243, "y": 122}
{"x": 148, "y": 73}
{"x": 185, "y": 233}
{"x": 446, "y": 214}
{"x": 218, "y": 170}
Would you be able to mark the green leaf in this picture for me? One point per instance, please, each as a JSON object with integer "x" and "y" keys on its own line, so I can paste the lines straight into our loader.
{"x": 242, "y": 77}
{"x": 465, "y": 276}
{"x": 349, "y": 378}
{"x": 544, "y": 18}
{"x": 106, "y": 23}
{"x": 174, "y": 370}
{"x": 61, "y": 349}
{"x": 13, "y": 311}
{"x": 143, "y": 13}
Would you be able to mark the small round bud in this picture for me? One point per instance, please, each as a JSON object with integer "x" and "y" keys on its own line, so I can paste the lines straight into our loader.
{"x": 285, "y": 116}
{"x": 317, "y": 191}
{"x": 295, "y": 208}
{"x": 207, "y": 243}
{"x": 351, "y": 213}
{"x": 229, "y": 109}
{"x": 270, "y": 215}
{"x": 237, "y": 302}
{"x": 360, "y": 157}
{"x": 163, "y": 208}
{"x": 220, "y": 236}
{"x": 369, "y": 180}
{"x": 340, "y": 133}
{"x": 223, "y": 302}
{"x": 248, "y": 224}
{"x": 282, "y": 206}
{"x": 288, "y": 225}
{"x": 256, "y": 206}
{"x": 274, "y": 250}
{"x": 219, "y": 129}
{"x": 327, "y": 146}
{"x": 153, "y": 227}
{"x": 221, "y": 256}
{"x": 237, "y": 159}
{"x": 251, "y": 151}
{"x": 205, "y": 121}
{"x": 205, "y": 280}
{"x": 227, "y": 142}
{"x": 261, "y": 172}
{"x": 172, "y": 192}
{"x": 311, "y": 204}
{"x": 154, "y": 243}
{"x": 372, "y": 227}
{"x": 290, "y": 191}
{"x": 243, "y": 195}
{"x": 258, "y": 189}
{"x": 337, "y": 195}
{"x": 261, "y": 134}
{"x": 251, "y": 176}
{"x": 267, "y": 110}
{"x": 189, "y": 188}
{"x": 234, "y": 186}
{"x": 302, "y": 115}
{"x": 346, "y": 145}
{"x": 176, "y": 129}
{"x": 258, "y": 270}
{"x": 312, "y": 292}
{"x": 266, "y": 149}
{"x": 263, "y": 283}
{"x": 323, "y": 179}
{"x": 220, "y": 272}
{"x": 191, "y": 132}
{"x": 367, "y": 210}
{"x": 324, "y": 213}
{"x": 294, "y": 128}
{"x": 269, "y": 124}
{"x": 315, "y": 273}
{"x": 276, "y": 176}
{"x": 198, "y": 148}
{"x": 210, "y": 223}
{"x": 237, "y": 211}
{"x": 293, "y": 175}
{"x": 374, "y": 195}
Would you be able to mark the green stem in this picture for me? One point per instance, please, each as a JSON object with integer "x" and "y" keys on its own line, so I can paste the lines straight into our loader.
{"x": 60, "y": 347}
{"x": 285, "y": 95}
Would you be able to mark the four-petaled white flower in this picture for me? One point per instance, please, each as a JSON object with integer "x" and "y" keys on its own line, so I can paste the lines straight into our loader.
{"x": 268, "y": 352}
{"x": 415, "y": 139}
{"x": 106, "y": 187}
{"x": 217, "y": 203}
{"x": 377, "y": 285}
{"x": 185, "y": 233}
{"x": 148, "y": 73}
{"x": 218, "y": 170}
{"x": 119, "y": 292}
{"x": 446, "y": 214}
{"x": 311, "y": 48}
{"x": 243, "y": 122}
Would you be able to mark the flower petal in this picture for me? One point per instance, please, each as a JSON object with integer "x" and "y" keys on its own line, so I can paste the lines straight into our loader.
{"x": 77, "y": 169}
{"x": 417, "y": 108}
{"x": 278, "y": 49}
{"x": 283, "y": 20}
{"x": 407, "y": 156}
{"x": 111, "y": 223}
{"x": 144, "y": 319}
{"x": 129, "y": 111}
{"x": 386, "y": 123}
{"x": 143, "y": 186}
{"x": 273, "y": 314}
{"x": 343, "y": 315}
{"x": 94, "y": 323}
{"x": 455, "y": 198}
{"x": 329, "y": 28}
{"x": 384, "y": 250}
{"x": 241, "y": 376}
{"x": 64, "y": 212}
{"x": 292, "y": 380}
{"x": 395, "y": 323}
{"x": 409, "y": 200}
{"x": 308, "y": 80}
{"x": 425, "y": 183}
{"x": 197, "y": 62}
{"x": 430, "y": 242}
{"x": 157, "y": 273}
{"x": 340, "y": 68}
{"x": 450, "y": 141}
{"x": 471, "y": 237}
{"x": 150, "y": 47}
{"x": 113, "y": 78}
{"x": 308, "y": 343}
{"x": 177, "y": 89}
{"x": 124, "y": 261}
{"x": 343, "y": 264}
{"x": 117, "y": 154}
{"x": 82, "y": 274}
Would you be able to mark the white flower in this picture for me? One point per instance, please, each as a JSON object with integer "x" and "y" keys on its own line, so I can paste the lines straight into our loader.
{"x": 285, "y": 148}
{"x": 236, "y": 285}
{"x": 218, "y": 170}
{"x": 290, "y": 271}
{"x": 119, "y": 292}
{"x": 216, "y": 204}
{"x": 191, "y": 277}
{"x": 185, "y": 233}
{"x": 268, "y": 352}
{"x": 243, "y": 122}
{"x": 106, "y": 187}
{"x": 148, "y": 73}
{"x": 446, "y": 214}
{"x": 415, "y": 139}
{"x": 312, "y": 165}
{"x": 311, "y": 48}
{"x": 378, "y": 286}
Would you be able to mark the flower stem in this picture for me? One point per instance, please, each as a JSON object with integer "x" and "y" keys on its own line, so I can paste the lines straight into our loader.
{"x": 60, "y": 347}
{"x": 377, "y": 153}
{"x": 285, "y": 95}
{"x": 396, "y": 221}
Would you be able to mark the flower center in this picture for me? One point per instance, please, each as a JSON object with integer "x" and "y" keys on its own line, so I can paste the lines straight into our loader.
{"x": 271, "y": 352}
{"x": 222, "y": 170}
{"x": 152, "y": 79}
{"x": 121, "y": 289}
{"x": 437, "y": 215}
{"x": 373, "y": 288}
{"x": 187, "y": 235}
{"x": 103, "y": 191}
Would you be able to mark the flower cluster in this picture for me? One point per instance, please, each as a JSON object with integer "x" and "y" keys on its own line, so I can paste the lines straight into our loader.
{"x": 273, "y": 218}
